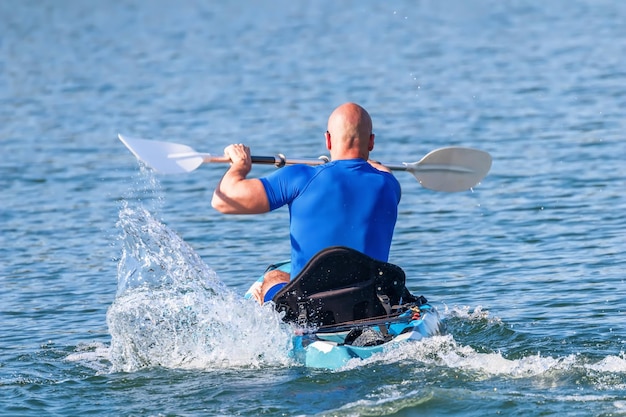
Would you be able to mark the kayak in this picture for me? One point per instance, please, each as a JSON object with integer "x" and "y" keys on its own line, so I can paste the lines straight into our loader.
{"x": 345, "y": 305}
{"x": 332, "y": 349}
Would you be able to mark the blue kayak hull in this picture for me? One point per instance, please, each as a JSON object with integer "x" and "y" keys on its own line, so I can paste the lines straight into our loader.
{"x": 329, "y": 350}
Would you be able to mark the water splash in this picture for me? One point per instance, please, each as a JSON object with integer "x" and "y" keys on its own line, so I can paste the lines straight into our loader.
{"x": 153, "y": 256}
{"x": 171, "y": 310}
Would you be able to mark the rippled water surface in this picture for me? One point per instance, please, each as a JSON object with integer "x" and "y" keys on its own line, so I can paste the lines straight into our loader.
{"x": 121, "y": 289}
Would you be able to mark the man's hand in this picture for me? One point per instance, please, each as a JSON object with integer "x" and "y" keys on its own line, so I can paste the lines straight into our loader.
{"x": 239, "y": 156}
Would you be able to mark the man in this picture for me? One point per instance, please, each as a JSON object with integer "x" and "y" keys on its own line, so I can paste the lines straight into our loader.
{"x": 350, "y": 201}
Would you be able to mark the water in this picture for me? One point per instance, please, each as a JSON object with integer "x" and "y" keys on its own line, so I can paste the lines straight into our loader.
{"x": 121, "y": 289}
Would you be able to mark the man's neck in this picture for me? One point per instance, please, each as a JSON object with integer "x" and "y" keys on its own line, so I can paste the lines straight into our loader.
{"x": 350, "y": 154}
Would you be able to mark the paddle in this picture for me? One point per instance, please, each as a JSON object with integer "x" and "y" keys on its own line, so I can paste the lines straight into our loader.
{"x": 447, "y": 169}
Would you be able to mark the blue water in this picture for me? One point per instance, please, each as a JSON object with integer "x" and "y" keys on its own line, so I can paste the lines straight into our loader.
{"x": 121, "y": 289}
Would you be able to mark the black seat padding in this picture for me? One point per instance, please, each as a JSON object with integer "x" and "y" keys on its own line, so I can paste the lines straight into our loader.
{"x": 339, "y": 285}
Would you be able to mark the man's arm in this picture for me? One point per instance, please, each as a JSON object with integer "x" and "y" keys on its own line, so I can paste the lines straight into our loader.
{"x": 234, "y": 193}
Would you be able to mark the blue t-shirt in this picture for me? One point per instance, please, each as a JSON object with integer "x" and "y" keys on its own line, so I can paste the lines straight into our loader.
{"x": 344, "y": 202}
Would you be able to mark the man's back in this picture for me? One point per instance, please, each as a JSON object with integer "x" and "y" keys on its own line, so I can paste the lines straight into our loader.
{"x": 345, "y": 202}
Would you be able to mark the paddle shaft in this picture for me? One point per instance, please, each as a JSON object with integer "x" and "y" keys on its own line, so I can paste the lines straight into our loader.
{"x": 278, "y": 161}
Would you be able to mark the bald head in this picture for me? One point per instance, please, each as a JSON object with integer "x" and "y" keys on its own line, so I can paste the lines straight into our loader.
{"x": 349, "y": 132}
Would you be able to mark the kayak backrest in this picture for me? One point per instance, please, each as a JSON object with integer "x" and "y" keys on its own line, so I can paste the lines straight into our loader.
{"x": 338, "y": 285}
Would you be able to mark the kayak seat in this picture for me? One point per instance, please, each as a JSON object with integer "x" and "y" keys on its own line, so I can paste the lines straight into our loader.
{"x": 339, "y": 285}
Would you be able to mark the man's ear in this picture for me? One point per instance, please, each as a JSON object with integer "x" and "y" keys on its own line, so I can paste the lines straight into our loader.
{"x": 328, "y": 144}
{"x": 370, "y": 146}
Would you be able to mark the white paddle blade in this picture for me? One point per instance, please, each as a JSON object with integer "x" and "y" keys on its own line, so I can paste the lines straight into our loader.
{"x": 451, "y": 169}
{"x": 164, "y": 157}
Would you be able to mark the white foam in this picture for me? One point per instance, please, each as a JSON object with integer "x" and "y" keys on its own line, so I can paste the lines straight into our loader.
{"x": 466, "y": 313}
{"x": 445, "y": 351}
{"x": 91, "y": 355}
{"x": 613, "y": 364}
